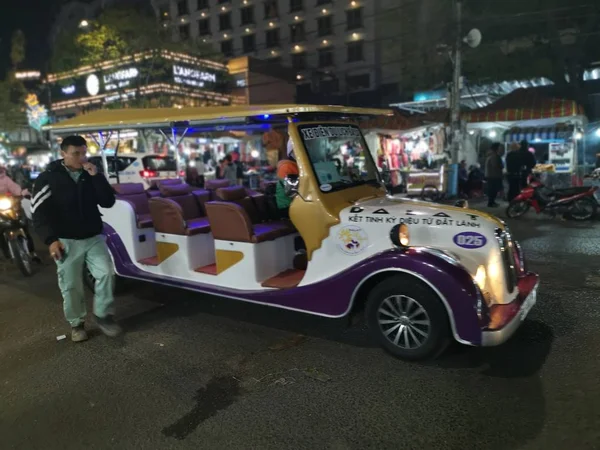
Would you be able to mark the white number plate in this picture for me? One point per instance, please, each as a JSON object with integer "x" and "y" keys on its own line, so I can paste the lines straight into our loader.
{"x": 528, "y": 303}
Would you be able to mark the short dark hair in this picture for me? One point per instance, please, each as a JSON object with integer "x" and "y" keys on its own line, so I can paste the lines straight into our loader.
{"x": 228, "y": 158}
{"x": 75, "y": 141}
{"x": 495, "y": 146}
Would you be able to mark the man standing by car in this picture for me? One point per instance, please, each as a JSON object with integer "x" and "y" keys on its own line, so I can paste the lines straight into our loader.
{"x": 65, "y": 214}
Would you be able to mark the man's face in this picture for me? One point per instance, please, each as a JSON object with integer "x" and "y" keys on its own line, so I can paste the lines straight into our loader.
{"x": 74, "y": 156}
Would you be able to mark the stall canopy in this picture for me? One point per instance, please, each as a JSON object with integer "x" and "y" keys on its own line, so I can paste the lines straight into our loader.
{"x": 526, "y": 104}
{"x": 401, "y": 121}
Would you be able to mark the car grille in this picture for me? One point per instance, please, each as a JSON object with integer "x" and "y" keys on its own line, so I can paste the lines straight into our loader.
{"x": 508, "y": 258}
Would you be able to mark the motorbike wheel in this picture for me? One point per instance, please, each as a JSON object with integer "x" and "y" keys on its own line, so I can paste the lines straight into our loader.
{"x": 21, "y": 255}
{"x": 430, "y": 193}
{"x": 583, "y": 209}
{"x": 517, "y": 209}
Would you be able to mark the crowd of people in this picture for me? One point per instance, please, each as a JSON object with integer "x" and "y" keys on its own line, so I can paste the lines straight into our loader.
{"x": 515, "y": 169}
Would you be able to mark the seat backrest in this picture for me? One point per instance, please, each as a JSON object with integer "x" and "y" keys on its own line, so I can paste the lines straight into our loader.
{"x": 181, "y": 194}
{"x": 229, "y": 222}
{"x": 238, "y": 195}
{"x": 167, "y": 216}
{"x": 156, "y": 184}
{"x": 135, "y": 194}
{"x": 213, "y": 185}
{"x": 202, "y": 196}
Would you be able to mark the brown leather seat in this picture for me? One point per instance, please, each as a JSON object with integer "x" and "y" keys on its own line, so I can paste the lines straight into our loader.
{"x": 178, "y": 212}
{"x": 135, "y": 195}
{"x": 237, "y": 217}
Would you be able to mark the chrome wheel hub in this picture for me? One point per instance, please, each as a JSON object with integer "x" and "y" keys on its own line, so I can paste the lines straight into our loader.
{"x": 404, "y": 322}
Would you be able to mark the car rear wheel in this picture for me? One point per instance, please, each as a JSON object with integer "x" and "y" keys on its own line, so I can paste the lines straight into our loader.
{"x": 407, "y": 318}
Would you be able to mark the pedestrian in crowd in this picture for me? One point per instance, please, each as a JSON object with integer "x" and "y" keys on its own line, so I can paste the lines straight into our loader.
{"x": 513, "y": 171}
{"x": 528, "y": 162}
{"x": 463, "y": 179}
{"x": 493, "y": 173}
{"x": 230, "y": 171}
{"x": 220, "y": 169}
{"x": 65, "y": 213}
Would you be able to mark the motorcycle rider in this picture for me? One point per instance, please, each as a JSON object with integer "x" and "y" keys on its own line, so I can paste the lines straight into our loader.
{"x": 8, "y": 186}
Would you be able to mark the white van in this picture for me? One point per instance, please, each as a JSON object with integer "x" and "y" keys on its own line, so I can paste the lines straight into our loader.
{"x": 137, "y": 168}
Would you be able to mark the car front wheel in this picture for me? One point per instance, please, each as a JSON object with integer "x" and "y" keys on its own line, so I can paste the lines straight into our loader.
{"x": 407, "y": 318}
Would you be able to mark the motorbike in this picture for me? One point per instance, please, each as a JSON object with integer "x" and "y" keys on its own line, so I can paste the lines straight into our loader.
{"x": 14, "y": 241}
{"x": 577, "y": 203}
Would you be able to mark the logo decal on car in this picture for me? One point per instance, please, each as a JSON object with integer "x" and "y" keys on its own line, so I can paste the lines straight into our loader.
{"x": 352, "y": 240}
{"x": 470, "y": 240}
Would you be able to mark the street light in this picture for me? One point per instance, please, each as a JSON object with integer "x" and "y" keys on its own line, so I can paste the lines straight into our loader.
{"x": 84, "y": 24}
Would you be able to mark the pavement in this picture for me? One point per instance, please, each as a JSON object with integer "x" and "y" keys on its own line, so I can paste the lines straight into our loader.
{"x": 199, "y": 372}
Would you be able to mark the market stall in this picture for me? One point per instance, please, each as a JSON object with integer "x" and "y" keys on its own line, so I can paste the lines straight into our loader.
{"x": 552, "y": 127}
{"x": 410, "y": 153}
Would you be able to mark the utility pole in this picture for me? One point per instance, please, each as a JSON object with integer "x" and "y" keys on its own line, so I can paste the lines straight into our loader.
{"x": 455, "y": 99}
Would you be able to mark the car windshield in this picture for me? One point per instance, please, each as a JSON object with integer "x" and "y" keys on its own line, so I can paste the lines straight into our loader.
{"x": 339, "y": 156}
{"x": 160, "y": 163}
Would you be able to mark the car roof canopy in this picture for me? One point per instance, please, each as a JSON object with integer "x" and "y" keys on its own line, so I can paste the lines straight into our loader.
{"x": 160, "y": 118}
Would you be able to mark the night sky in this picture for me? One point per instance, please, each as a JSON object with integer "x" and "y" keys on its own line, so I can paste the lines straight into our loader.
{"x": 35, "y": 18}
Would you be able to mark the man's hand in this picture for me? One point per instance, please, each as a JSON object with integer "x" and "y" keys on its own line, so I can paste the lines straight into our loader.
{"x": 90, "y": 168}
{"x": 57, "y": 250}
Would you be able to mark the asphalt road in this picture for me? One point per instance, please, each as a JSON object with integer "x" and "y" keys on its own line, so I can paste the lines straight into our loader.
{"x": 197, "y": 372}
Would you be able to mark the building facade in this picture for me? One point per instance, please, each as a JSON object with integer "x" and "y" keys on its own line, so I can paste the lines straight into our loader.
{"x": 330, "y": 44}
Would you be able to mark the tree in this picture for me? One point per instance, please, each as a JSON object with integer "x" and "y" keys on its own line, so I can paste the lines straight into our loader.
{"x": 555, "y": 39}
{"x": 12, "y": 90}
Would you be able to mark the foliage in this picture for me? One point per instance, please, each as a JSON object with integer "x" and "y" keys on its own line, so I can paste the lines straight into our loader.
{"x": 17, "y": 48}
{"x": 12, "y": 91}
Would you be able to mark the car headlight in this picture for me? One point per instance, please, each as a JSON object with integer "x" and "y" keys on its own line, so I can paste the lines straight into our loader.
{"x": 400, "y": 236}
{"x": 480, "y": 277}
{"x": 5, "y": 203}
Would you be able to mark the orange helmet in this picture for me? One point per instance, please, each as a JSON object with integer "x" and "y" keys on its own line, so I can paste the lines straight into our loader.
{"x": 286, "y": 167}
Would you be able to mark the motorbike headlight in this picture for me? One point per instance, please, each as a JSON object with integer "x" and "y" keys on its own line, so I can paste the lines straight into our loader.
{"x": 5, "y": 204}
{"x": 480, "y": 277}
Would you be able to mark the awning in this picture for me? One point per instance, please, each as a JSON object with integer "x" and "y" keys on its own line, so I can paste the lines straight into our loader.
{"x": 540, "y": 134}
{"x": 525, "y": 104}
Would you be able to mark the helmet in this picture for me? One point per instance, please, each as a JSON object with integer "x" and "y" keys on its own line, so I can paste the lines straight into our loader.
{"x": 285, "y": 168}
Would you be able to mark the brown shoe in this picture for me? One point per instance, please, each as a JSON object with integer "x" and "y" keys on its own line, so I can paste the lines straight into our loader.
{"x": 78, "y": 334}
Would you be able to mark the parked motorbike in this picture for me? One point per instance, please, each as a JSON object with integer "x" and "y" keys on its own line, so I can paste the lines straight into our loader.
{"x": 13, "y": 238}
{"x": 577, "y": 203}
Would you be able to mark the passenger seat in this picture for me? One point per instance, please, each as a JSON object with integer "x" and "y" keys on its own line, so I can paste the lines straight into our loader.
{"x": 135, "y": 195}
{"x": 178, "y": 211}
{"x": 237, "y": 217}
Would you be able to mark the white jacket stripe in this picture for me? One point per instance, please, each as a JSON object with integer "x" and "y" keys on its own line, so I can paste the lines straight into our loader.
{"x": 39, "y": 194}
{"x": 39, "y": 202}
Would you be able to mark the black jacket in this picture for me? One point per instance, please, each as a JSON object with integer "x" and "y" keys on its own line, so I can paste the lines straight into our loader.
{"x": 513, "y": 163}
{"x": 64, "y": 209}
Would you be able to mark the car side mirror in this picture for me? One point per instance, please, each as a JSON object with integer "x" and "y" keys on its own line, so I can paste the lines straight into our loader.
{"x": 290, "y": 184}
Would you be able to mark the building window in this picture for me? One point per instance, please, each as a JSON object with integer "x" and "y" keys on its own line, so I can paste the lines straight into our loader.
{"x": 227, "y": 48}
{"x": 325, "y": 57}
{"x": 204, "y": 27}
{"x": 297, "y": 33}
{"x": 299, "y": 61}
{"x": 325, "y": 26}
{"x": 355, "y": 51}
{"x": 354, "y": 18}
{"x": 225, "y": 22}
{"x": 271, "y": 11}
{"x": 276, "y": 60}
{"x": 358, "y": 82}
{"x": 331, "y": 85}
{"x": 223, "y": 1}
{"x": 247, "y": 15}
{"x": 202, "y": 4}
{"x": 184, "y": 32}
{"x": 323, "y": 2}
{"x": 272, "y": 38}
{"x": 182, "y": 8}
{"x": 249, "y": 43}
{"x": 296, "y": 5}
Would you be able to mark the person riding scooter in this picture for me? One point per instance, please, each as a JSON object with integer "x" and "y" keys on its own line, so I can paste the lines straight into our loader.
{"x": 9, "y": 187}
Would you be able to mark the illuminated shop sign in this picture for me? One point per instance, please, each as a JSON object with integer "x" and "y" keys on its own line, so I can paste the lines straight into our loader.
{"x": 240, "y": 83}
{"x": 192, "y": 77}
{"x": 120, "y": 78}
{"x": 68, "y": 90}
